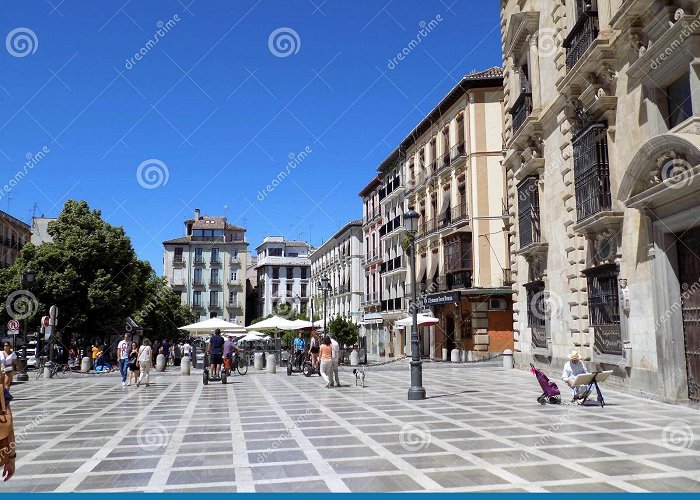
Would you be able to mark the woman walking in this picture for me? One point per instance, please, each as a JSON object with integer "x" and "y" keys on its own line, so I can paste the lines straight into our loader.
{"x": 145, "y": 361}
{"x": 8, "y": 365}
{"x": 326, "y": 354}
{"x": 133, "y": 365}
{"x": 314, "y": 347}
{"x": 8, "y": 447}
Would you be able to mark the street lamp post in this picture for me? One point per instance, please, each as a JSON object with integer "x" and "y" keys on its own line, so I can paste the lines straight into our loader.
{"x": 416, "y": 392}
{"x": 26, "y": 280}
{"x": 325, "y": 285}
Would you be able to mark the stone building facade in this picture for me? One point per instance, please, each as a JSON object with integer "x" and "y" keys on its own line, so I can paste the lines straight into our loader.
{"x": 602, "y": 151}
{"x": 449, "y": 170}
{"x": 207, "y": 267}
{"x": 284, "y": 272}
{"x": 14, "y": 234}
{"x": 340, "y": 259}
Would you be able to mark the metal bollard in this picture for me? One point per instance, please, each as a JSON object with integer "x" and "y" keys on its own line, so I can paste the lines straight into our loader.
{"x": 454, "y": 356}
{"x": 186, "y": 366}
{"x": 354, "y": 358}
{"x": 508, "y": 359}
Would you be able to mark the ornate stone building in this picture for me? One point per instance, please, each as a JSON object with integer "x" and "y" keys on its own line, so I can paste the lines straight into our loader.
{"x": 602, "y": 151}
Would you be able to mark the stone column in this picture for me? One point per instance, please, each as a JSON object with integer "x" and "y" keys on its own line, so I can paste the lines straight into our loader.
{"x": 534, "y": 65}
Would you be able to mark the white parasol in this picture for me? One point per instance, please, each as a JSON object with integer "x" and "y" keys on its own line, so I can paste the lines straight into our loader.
{"x": 208, "y": 327}
{"x": 423, "y": 320}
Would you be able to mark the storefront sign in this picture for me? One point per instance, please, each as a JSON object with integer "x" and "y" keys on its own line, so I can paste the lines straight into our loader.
{"x": 439, "y": 299}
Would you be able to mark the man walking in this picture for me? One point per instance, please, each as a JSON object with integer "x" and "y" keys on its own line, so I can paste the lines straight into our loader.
{"x": 123, "y": 351}
{"x": 336, "y": 362}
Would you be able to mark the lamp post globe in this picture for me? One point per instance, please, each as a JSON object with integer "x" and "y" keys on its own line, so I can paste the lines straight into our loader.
{"x": 416, "y": 392}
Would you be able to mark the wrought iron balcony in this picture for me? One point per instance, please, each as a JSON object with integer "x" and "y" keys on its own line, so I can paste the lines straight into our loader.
{"x": 582, "y": 35}
{"x": 521, "y": 110}
{"x": 457, "y": 152}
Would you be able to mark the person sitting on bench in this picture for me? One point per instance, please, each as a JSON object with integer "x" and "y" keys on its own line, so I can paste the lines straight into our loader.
{"x": 572, "y": 369}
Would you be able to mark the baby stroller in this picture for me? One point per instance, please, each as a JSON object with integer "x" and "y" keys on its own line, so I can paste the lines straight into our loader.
{"x": 551, "y": 394}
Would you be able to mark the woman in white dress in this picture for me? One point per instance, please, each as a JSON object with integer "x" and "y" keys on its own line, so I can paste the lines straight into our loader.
{"x": 145, "y": 361}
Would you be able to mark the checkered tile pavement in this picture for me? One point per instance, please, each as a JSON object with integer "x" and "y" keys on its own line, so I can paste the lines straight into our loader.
{"x": 480, "y": 430}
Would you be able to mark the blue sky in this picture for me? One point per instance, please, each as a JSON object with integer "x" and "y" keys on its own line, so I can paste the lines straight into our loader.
{"x": 220, "y": 106}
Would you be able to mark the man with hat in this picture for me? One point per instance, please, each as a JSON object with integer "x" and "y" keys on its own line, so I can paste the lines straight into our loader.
{"x": 572, "y": 369}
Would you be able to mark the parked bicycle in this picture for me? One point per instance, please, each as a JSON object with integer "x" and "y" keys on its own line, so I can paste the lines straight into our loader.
{"x": 55, "y": 369}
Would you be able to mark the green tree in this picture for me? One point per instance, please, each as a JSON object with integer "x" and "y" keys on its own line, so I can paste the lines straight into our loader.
{"x": 344, "y": 331}
{"x": 90, "y": 272}
{"x": 163, "y": 312}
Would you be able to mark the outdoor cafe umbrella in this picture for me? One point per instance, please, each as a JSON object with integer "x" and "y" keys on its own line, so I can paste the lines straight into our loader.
{"x": 274, "y": 323}
{"x": 423, "y": 320}
{"x": 208, "y": 327}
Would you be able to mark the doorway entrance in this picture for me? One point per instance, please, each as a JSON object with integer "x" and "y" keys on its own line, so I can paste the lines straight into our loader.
{"x": 689, "y": 277}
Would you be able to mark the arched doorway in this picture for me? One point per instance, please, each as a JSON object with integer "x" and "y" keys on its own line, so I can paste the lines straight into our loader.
{"x": 662, "y": 182}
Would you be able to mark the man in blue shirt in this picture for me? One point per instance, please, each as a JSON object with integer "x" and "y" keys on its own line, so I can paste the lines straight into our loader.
{"x": 216, "y": 353}
{"x": 299, "y": 345}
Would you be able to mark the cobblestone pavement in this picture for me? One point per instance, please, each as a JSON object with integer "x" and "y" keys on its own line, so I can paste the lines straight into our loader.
{"x": 481, "y": 430}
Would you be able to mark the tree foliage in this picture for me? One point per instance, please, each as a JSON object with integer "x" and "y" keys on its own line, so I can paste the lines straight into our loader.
{"x": 344, "y": 331}
{"x": 91, "y": 272}
{"x": 163, "y": 312}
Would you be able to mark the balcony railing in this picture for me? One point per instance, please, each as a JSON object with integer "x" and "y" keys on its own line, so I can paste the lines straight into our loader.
{"x": 390, "y": 226}
{"x": 457, "y": 152}
{"x": 508, "y": 277}
{"x": 198, "y": 282}
{"x": 199, "y": 261}
{"x": 370, "y": 217}
{"x": 233, "y": 304}
{"x": 521, "y": 110}
{"x": 443, "y": 162}
{"x": 215, "y": 282}
{"x": 459, "y": 214}
{"x": 457, "y": 280}
{"x": 371, "y": 298}
{"x": 197, "y": 307}
{"x": 392, "y": 265}
{"x": 392, "y": 304}
{"x": 582, "y": 35}
{"x": 178, "y": 261}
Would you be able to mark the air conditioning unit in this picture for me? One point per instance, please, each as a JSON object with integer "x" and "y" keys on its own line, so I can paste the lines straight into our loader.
{"x": 497, "y": 304}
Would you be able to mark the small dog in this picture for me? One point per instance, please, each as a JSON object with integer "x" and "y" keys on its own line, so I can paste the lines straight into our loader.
{"x": 359, "y": 376}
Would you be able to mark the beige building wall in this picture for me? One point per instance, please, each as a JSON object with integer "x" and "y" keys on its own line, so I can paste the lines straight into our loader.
{"x": 620, "y": 76}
